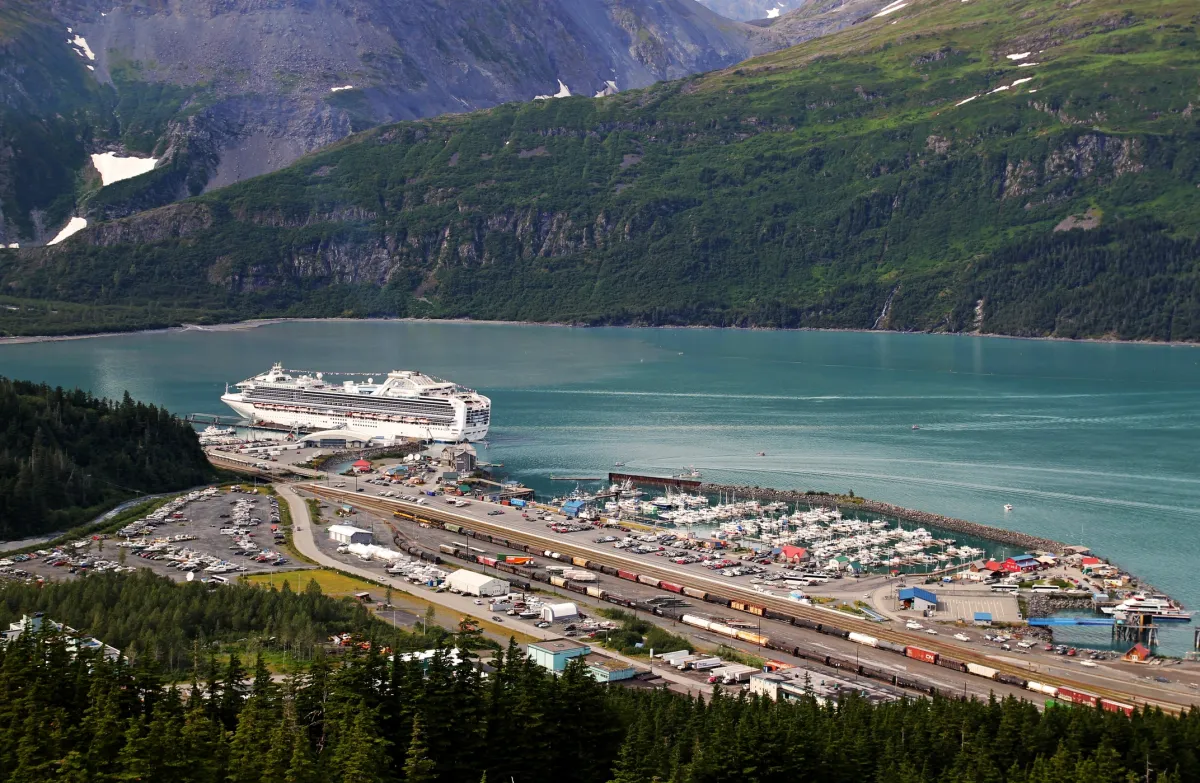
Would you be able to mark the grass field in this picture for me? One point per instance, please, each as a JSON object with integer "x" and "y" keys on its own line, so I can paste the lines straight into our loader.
{"x": 331, "y": 582}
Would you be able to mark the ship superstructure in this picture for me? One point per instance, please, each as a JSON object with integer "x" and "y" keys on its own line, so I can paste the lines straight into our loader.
{"x": 404, "y": 404}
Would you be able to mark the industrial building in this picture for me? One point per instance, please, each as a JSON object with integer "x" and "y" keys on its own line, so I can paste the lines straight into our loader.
{"x": 559, "y": 613}
{"x": 797, "y": 683}
{"x": 348, "y": 534}
{"x": 472, "y": 583}
{"x": 605, "y": 669}
{"x": 917, "y": 598}
{"x": 553, "y": 654}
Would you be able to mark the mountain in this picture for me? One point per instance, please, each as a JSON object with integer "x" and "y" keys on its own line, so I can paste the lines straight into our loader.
{"x": 1020, "y": 167}
{"x": 210, "y": 92}
{"x": 749, "y": 10}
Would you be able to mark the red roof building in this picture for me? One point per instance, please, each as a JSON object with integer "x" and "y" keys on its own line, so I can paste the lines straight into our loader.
{"x": 1139, "y": 653}
{"x": 794, "y": 554}
{"x": 362, "y": 466}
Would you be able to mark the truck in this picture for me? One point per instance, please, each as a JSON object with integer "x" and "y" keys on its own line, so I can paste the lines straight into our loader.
{"x": 671, "y": 658}
{"x": 732, "y": 674}
{"x": 685, "y": 663}
{"x": 704, "y": 664}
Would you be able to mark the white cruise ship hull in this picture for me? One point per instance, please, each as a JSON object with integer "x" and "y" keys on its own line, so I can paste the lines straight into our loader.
{"x": 313, "y": 420}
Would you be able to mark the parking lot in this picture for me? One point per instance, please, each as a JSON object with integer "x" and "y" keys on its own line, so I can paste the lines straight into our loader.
{"x": 210, "y": 534}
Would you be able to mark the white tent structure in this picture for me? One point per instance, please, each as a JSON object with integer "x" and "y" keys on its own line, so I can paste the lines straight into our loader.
{"x": 559, "y": 613}
{"x": 471, "y": 583}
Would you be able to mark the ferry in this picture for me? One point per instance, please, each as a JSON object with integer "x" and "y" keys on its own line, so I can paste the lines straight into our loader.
{"x": 405, "y": 404}
{"x": 1159, "y": 607}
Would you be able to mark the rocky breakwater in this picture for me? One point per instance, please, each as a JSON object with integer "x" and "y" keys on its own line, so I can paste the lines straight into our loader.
{"x": 1000, "y": 535}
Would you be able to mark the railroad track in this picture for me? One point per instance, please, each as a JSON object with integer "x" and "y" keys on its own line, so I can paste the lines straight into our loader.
{"x": 737, "y": 593}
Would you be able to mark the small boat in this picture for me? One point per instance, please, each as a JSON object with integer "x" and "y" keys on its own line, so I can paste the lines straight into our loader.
{"x": 762, "y": 453}
{"x": 916, "y": 426}
{"x": 618, "y": 464}
{"x": 1008, "y": 507}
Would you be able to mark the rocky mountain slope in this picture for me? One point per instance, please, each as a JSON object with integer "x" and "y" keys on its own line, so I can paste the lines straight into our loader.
{"x": 216, "y": 91}
{"x": 1018, "y": 167}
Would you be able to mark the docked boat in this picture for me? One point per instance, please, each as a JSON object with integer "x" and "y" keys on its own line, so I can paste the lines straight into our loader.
{"x": 405, "y": 404}
{"x": 1159, "y": 607}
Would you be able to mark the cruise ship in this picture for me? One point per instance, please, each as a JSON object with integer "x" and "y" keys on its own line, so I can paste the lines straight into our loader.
{"x": 1158, "y": 606}
{"x": 404, "y": 404}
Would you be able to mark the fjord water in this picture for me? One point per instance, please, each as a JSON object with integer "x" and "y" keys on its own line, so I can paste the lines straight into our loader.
{"x": 1089, "y": 442}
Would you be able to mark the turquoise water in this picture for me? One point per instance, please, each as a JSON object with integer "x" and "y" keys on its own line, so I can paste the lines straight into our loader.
{"x": 1089, "y": 442}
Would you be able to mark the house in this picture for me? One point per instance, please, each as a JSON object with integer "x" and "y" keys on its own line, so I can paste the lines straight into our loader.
{"x": 793, "y": 554}
{"x": 605, "y": 669}
{"x": 839, "y": 563}
{"x": 1139, "y": 653}
{"x": 553, "y": 654}
{"x": 1020, "y": 563}
{"x": 348, "y": 534}
{"x": 983, "y": 618}
{"x": 361, "y": 466}
{"x": 462, "y": 459}
{"x": 917, "y": 598}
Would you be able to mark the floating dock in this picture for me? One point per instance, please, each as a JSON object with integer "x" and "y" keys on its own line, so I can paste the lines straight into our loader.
{"x": 657, "y": 481}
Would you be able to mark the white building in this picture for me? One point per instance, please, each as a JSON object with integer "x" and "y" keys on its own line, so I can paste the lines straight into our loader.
{"x": 348, "y": 534}
{"x": 559, "y": 613}
{"x": 472, "y": 583}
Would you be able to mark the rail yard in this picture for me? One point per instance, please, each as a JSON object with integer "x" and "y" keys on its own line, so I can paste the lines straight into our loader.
{"x": 912, "y": 656}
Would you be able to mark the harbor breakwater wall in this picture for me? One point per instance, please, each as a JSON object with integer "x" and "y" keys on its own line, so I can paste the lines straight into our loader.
{"x": 1000, "y": 535}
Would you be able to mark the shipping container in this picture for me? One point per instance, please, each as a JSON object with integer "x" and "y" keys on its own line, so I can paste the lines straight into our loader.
{"x": 1116, "y": 706}
{"x": 694, "y": 593}
{"x": 1077, "y": 697}
{"x": 979, "y": 670}
{"x": 862, "y": 638}
{"x": 674, "y": 588}
{"x": 648, "y": 580}
{"x": 916, "y": 653}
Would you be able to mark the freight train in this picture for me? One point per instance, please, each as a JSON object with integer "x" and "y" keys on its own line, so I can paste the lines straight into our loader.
{"x": 1061, "y": 694}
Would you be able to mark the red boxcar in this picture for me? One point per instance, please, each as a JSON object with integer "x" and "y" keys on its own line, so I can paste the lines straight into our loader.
{"x": 1077, "y": 697}
{"x": 921, "y": 655}
{"x": 627, "y": 575}
{"x": 491, "y": 561}
{"x": 672, "y": 587}
{"x": 1114, "y": 706}
{"x": 648, "y": 580}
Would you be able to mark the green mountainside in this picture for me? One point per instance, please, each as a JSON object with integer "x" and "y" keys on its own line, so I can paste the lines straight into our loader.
{"x": 906, "y": 173}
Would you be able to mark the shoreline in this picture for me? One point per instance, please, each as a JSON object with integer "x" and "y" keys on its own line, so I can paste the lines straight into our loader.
{"x": 254, "y": 323}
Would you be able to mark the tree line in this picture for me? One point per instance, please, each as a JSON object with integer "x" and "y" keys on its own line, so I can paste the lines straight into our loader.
{"x": 66, "y": 455}
{"x": 371, "y": 719}
{"x": 151, "y": 617}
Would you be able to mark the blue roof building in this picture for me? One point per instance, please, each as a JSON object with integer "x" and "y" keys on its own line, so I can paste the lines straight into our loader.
{"x": 917, "y": 598}
{"x": 572, "y": 508}
{"x": 983, "y": 618}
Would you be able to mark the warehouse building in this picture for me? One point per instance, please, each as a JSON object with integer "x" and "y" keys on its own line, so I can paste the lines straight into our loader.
{"x": 348, "y": 534}
{"x": 917, "y": 598}
{"x": 553, "y": 654}
{"x": 471, "y": 583}
{"x": 605, "y": 669}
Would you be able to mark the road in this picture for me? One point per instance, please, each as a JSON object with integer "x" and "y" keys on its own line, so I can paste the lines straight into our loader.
{"x": 303, "y": 540}
{"x": 534, "y": 532}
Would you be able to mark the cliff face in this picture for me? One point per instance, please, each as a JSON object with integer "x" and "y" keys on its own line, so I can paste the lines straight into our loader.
{"x": 222, "y": 90}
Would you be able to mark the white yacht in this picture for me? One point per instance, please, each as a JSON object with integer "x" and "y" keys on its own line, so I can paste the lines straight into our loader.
{"x": 1157, "y": 606}
{"x": 404, "y": 404}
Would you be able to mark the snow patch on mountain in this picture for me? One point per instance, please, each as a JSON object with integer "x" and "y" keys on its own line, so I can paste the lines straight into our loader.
{"x": 114, "y": 168}
{"x": 81, "y": 46}
{"x": 563, "y": 92}
{"x": 896, "y": 5}
{"x": 73, "y": 226}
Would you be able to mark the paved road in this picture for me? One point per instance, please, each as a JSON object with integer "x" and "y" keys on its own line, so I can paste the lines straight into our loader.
{"x": 302, "y": 539}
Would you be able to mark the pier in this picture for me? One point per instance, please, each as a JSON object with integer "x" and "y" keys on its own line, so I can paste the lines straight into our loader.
{"x": 656, "y": 481}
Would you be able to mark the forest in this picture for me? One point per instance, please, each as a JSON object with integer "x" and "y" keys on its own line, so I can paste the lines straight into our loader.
{"x": 66, "y": 456}
{"x": 151, "y": 617}
{"x": 368, "y": 719}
